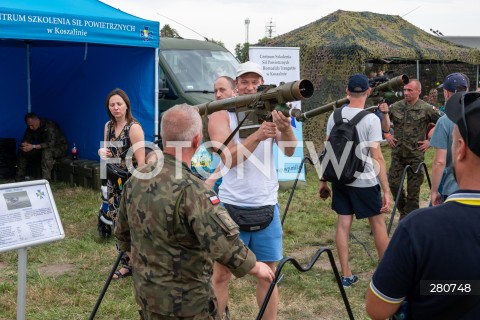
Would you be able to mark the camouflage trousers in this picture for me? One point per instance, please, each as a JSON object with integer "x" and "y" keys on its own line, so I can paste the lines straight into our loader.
{"x": 409, "y": 201}
{"x": 46, "y": 157}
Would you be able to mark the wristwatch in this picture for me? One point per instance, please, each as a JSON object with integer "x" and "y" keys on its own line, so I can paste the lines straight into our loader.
{"x": 34, "y": 147}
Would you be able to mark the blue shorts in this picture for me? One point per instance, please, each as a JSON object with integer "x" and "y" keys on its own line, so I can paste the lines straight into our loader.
{"x": 363, "y": 202}
{"x": 267, "y": 243}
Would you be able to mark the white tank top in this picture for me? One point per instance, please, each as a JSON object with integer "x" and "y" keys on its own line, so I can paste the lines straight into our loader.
{"x": 253, "y": 182}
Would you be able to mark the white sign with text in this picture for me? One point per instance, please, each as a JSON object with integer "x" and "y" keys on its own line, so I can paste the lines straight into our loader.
{"x": 28, "y": 215}
{"x": 282, "y": 64}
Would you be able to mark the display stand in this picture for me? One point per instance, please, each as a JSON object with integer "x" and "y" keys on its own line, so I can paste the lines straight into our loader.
{"x": 28, "y": 217}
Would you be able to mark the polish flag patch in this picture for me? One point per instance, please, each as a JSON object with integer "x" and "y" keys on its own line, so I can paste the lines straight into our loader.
{"x": 214, "y": 200}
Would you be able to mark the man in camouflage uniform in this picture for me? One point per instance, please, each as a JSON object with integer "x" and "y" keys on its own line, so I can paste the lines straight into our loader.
{"x": 410, "y": 117}
{"x": 174, "y": 227}
{"x": 42, "y": 142}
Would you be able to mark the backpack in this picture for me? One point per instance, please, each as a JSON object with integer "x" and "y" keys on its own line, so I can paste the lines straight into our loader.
{"x": 344, "y": 136}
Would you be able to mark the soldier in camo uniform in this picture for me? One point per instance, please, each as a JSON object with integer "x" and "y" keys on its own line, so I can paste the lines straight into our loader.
{"x": 410, "y": 117}
{"x": 42, "y": 142}
{"x": 175, "y": 228}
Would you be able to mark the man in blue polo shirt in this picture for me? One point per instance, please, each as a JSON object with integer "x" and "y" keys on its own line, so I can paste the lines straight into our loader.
{"x": 432, "y": 260}
{"x": 442, "y": 142}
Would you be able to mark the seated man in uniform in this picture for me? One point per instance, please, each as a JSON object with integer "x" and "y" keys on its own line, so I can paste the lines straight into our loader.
{"x": 42, "y": 142}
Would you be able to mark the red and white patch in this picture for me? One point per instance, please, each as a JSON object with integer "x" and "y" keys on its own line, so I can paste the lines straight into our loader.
{"x": 214, "y": 200}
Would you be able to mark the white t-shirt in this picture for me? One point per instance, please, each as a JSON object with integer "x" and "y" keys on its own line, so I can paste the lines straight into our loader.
{"x": 253, "y": 182}
{"x": 369, "y": 129}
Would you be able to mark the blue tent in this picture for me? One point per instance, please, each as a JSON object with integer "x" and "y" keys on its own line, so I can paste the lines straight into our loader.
{"x": 60, "y": 58}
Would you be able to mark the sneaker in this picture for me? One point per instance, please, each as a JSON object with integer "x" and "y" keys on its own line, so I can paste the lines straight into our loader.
{"x": 347, "y": 282}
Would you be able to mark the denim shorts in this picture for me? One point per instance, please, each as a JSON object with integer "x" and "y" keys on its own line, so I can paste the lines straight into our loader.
{"x": 267, "y": 243}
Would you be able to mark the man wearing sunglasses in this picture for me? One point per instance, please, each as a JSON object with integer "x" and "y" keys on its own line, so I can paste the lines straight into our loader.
{"x": 442, "y": 142}
{"x": 432, "y": 260}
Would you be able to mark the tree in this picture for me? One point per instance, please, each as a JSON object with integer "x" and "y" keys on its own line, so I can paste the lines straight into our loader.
{"x": 241, "y": 51}
{"x": 263, "y": 41}
{"x": 169, "y": 32}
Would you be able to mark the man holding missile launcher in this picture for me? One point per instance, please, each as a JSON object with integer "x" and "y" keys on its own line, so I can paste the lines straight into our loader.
{"x": 250, "y": 184}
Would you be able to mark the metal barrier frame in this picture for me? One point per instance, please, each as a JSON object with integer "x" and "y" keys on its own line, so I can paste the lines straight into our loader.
{"x": 407, "y": 167}
{"x": 307, "y": 268}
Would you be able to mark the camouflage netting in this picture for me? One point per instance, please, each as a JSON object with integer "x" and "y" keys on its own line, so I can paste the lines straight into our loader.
{"x": 340, "y": 44}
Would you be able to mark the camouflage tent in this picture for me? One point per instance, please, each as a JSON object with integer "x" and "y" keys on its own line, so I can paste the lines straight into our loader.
{"x": 344, "y": 43}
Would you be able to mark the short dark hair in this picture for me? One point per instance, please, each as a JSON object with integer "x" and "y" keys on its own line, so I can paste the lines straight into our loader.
{"x": 30, "y": 115}
{"x": 230, "y": 81}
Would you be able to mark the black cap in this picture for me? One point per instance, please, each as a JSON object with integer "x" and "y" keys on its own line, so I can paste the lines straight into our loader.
{"x": 454, "y": 111}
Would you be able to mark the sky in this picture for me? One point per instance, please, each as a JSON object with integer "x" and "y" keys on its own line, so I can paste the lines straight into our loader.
{"x": 224, "y": 20}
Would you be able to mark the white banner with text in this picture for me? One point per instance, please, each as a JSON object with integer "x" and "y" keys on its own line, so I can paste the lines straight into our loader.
{"x": 283, "y": 65}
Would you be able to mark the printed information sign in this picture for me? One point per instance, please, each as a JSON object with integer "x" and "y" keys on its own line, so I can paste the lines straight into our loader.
{"x": 28, "y": 215}
{"x": 282, "y": 64}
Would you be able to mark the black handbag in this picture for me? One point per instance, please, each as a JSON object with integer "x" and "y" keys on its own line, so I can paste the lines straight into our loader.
{"x": 251, "y": 218}
{"x": 114, "y": 172}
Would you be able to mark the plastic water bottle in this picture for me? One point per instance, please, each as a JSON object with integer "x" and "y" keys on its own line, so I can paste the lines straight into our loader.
{"x": 74, "y": 152}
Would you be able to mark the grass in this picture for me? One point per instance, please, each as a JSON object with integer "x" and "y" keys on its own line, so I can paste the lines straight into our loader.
{"x": 65, "y": 278}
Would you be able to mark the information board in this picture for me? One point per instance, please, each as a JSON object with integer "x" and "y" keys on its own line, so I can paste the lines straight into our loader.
{"x": 282, "y": 64}
{"x": 28, "y": 215}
